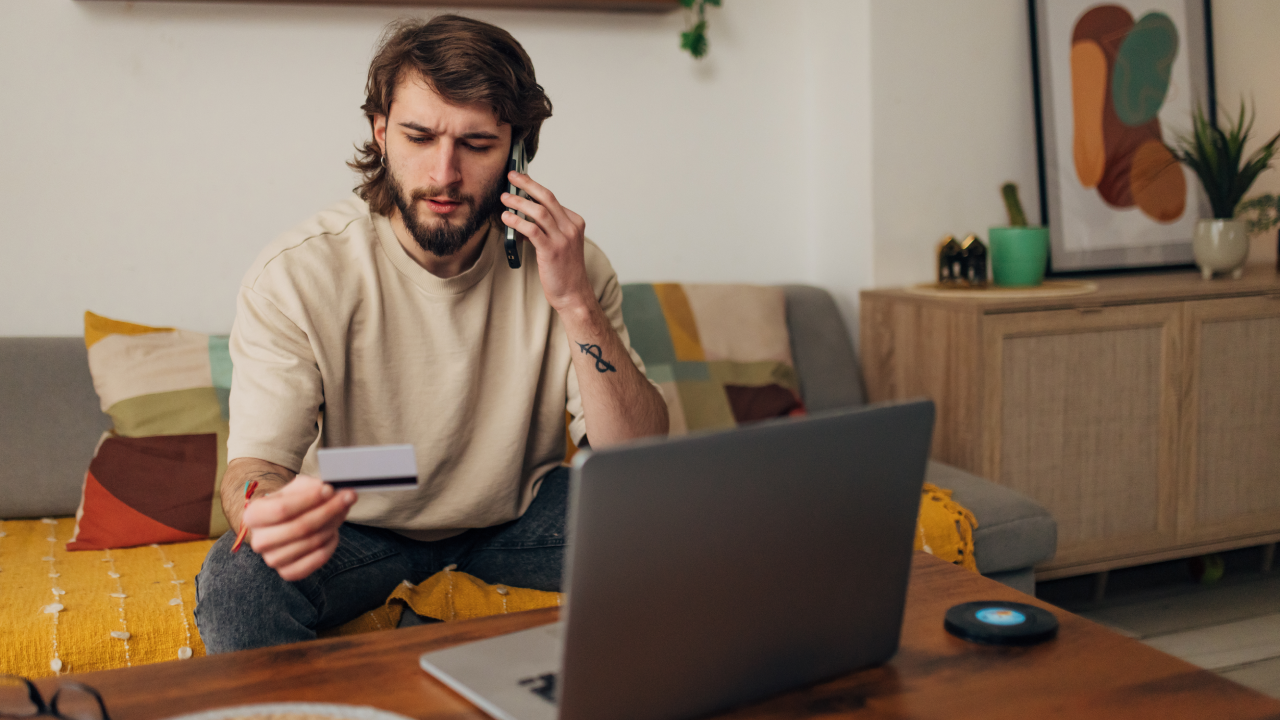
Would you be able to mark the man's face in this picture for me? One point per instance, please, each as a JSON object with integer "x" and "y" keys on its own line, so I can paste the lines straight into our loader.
{"x": 446, "y": 164}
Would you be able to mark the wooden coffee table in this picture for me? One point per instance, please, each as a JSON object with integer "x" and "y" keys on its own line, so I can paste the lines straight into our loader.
{"x": 1087, "y": 672}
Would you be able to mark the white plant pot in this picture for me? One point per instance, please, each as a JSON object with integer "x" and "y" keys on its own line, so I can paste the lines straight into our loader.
{"x": 1221, "y": 246}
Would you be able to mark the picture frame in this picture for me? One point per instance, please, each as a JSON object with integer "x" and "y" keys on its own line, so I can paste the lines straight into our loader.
{"x": 1114, "y": 82}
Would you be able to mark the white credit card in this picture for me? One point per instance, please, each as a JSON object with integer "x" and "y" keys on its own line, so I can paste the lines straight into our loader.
{"x": 372, "y": 467}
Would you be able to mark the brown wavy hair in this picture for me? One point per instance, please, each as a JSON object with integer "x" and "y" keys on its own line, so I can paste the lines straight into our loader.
{"x": 464, "y": 60}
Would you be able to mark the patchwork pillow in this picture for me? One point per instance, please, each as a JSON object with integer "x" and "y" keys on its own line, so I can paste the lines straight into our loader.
{"x": 155, "y": 475}
{"x": 720, "y": 353}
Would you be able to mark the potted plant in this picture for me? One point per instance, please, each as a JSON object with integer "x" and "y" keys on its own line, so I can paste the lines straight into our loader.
{"x": 1261, "y": 214}
{"x": 1217, "y": 158}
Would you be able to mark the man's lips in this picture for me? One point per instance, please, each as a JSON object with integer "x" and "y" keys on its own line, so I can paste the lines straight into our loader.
{"x": 441, "y": 206}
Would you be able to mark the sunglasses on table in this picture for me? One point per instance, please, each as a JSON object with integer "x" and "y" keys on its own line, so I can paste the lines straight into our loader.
{"x": 20, "y": 698}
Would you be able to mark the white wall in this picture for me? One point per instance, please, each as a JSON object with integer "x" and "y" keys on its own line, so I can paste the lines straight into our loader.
{"x": 953, "y": 116}
{"x": 838, "y": 134}
{"x": 952, "y": 119}
{"x": 151, "y": 149}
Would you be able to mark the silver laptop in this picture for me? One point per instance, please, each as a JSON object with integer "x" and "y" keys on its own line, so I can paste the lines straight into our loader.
{"x": 715, "y": 570}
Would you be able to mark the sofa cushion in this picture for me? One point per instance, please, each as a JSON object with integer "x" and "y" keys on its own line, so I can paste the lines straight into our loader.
{"x": 823, "y": 353}
{"x": 154, "y": 477}
{"x": 1014, "y": 532}
{"x": 146, "y": 592}
{"x": 49, "y": 420}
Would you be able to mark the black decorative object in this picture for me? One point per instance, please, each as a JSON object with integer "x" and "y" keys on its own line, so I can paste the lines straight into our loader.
{"x": 949, "y": 262}
{"x": 962, "y": 264}
{"x": 975, "y": 261}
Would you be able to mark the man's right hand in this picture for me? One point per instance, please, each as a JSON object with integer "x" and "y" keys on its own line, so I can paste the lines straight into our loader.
{"x": 295, "y": 529}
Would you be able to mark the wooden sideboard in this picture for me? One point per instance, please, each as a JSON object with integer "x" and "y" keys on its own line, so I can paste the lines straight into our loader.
{"x": 1145, "y": 416}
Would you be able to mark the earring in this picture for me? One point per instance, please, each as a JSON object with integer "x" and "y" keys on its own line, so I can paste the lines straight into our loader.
{"x": 384, "y": 160}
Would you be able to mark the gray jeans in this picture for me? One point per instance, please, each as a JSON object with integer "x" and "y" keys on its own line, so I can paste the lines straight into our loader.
{"x": 241, "y": 603}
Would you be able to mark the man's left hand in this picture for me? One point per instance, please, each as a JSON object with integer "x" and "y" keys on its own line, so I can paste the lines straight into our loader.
{"x": 618, "y": 401}
{"x": 558, "y": 234}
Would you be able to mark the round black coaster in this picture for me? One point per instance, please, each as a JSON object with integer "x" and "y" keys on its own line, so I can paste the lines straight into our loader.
{"x": 1001, "y": 623}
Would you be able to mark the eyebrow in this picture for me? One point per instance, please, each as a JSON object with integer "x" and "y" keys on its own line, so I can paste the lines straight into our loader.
{"x": 478, "y": 135}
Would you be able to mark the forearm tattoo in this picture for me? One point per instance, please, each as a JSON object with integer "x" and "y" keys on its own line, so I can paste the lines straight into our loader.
{"x": 262, "y": 477}
{"x": 602, "y": 365}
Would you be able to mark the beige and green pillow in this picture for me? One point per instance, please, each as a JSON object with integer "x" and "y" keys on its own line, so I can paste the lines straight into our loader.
{"x": 155, "y": 475}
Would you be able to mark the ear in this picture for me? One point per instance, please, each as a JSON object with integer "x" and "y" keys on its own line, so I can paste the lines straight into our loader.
{"x": 380, "y": 132}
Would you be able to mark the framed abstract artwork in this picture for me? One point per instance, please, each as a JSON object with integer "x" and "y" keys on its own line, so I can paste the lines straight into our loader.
{"x": 1115, "y": 81}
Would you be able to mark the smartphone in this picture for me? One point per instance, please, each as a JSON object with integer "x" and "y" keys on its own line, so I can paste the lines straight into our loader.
{"x": 519, "y": 163}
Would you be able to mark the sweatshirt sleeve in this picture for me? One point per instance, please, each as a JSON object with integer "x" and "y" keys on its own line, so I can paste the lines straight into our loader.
{"x": 276, "y": 390}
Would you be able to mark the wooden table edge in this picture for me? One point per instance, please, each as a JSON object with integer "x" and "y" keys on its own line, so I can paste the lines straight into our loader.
{"x": 933, "y": 674}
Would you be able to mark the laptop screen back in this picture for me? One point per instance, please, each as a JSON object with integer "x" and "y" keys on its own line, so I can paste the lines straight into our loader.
{"x": 715, "y": 570}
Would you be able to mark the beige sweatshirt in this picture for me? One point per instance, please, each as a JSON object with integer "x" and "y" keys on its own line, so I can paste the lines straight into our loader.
{"x": 341, "y": 339}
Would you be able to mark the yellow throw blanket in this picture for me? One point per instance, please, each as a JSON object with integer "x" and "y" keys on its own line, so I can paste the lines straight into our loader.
{"x": 448, "y": 595}
{"x": 134, "y": 606}
{"x": 945, "y": 528}
{"x": 89, "y": 610}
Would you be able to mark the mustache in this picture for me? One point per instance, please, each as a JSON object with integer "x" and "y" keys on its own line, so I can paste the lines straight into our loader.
{"x": 451, "y": 193}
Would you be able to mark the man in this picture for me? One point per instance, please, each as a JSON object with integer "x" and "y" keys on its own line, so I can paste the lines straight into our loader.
{"x": 394, "y": 318}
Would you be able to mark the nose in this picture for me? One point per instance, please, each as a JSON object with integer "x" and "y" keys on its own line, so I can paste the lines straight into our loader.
{"x": 444, "y": 168}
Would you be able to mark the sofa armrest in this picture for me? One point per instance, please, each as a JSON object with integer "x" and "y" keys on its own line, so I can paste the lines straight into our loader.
{"x": 1014, "y": 531}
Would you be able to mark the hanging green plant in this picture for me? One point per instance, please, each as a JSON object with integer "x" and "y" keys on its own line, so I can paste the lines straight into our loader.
{"x": 694, "y": 38}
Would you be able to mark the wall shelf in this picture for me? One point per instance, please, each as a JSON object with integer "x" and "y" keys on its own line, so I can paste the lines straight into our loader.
{"x": 654, "y": 6}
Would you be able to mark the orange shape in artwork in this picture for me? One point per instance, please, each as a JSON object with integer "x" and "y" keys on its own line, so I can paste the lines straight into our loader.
{"x": 106, "y": 522}
{"x": 1088, "y": 100}
{"x": 1158, "y": 185}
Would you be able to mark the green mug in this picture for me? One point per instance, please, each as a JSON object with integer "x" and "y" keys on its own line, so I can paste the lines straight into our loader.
{"x": 1018, "y": 255}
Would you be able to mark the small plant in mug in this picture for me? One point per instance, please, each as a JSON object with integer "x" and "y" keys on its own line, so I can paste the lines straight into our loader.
{"x": 1012, "y": 205}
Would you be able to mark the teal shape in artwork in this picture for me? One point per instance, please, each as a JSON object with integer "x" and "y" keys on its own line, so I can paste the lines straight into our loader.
{"x": 1144, "y": 64}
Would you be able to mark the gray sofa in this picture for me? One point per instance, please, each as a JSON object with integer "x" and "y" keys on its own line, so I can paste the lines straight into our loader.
{"x": 1014, "y": 532}
{"x": 50, "y": 423}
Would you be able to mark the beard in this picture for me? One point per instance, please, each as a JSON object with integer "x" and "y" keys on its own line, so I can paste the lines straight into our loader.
{"x": 447, "y": 237}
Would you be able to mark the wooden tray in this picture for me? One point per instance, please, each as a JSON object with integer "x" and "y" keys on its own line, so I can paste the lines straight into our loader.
{"x": 1049, "y": 288}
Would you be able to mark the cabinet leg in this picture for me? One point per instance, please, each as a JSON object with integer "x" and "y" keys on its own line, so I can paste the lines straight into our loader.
{"x": 1100, "y": 585}
{"x": 1268, "y": 557}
